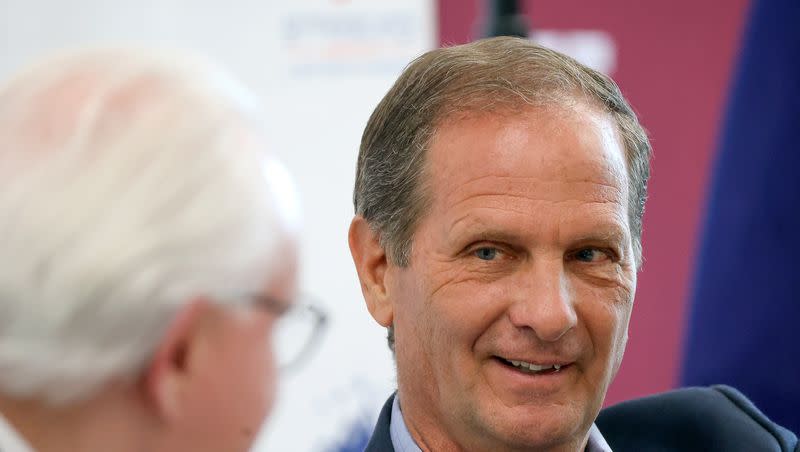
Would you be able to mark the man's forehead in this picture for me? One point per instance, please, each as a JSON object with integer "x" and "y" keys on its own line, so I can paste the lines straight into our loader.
{"x": 526, "y": 152}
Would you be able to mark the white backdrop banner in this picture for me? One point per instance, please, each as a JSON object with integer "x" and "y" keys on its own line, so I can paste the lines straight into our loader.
{"x": 319, "y": 67}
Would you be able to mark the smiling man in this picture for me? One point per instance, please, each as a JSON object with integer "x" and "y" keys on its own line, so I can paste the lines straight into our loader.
{"x": 499, "y": 197}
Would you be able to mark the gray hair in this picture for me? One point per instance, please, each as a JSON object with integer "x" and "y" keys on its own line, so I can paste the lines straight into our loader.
{"x": 490, "y": 75}
{"x": 130, "y": 182}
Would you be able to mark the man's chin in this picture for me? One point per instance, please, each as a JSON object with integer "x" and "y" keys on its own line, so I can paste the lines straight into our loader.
{"x": 538, "y": 428}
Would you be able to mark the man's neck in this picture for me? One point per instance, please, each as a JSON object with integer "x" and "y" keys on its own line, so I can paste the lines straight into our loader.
{"x": 90, "y": 426}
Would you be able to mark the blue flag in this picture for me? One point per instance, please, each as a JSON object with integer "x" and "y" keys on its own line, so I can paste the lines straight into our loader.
{"x": 744, "y": 327}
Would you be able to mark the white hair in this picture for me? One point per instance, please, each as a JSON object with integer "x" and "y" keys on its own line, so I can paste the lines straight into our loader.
{"x": 130, "y": 182}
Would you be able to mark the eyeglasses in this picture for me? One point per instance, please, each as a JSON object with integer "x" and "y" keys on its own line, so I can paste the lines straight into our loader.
{"x": 298, "y": 329}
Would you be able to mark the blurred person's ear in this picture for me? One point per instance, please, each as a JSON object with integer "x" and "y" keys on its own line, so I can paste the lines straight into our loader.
{"x": 170, "y": 369}
{"x": 371, "y": 264}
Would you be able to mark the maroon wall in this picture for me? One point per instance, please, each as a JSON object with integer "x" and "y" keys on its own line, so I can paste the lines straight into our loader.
{"x": 673, "y": 63}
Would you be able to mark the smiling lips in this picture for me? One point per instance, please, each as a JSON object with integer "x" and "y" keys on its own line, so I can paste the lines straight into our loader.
{"x": 532, "y": 368}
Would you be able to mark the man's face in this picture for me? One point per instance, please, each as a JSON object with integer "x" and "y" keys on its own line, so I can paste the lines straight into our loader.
{"x": 234, "y": 388}
{"x": 525, "y": 255}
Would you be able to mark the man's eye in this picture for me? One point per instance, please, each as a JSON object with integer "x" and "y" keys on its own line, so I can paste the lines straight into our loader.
{"x": 486, "y": 253}
{"x": 590, "y": 255}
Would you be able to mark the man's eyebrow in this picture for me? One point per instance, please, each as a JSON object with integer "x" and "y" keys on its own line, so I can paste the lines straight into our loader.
{"x": 610, "y": 233}
{"x": 271, "y": 303}
{"x": 491, "y": 235}
{"x": 474, "y": 229}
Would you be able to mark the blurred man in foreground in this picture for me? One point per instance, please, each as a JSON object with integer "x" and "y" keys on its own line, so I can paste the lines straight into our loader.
{"x": 499, "y": 198}
{"x": 147, "y": 250}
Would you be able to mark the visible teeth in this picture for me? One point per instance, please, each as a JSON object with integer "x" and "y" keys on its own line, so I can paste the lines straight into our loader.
{"x": 556, "y": 366}
{"x": 532, "y": 367}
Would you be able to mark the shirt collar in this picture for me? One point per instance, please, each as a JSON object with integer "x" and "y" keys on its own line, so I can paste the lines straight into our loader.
{"x": 401, "y": 437}
{"x": 403, "y": 442}
{"x": 596, "y": 442}
{"x": 10, "y": 440}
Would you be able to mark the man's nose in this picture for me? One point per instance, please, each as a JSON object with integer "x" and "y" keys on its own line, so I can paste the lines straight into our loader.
{"x": 543, "y": 301}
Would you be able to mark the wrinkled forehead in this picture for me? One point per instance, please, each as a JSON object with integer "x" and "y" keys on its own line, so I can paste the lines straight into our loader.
{"x": 544, "y": 145}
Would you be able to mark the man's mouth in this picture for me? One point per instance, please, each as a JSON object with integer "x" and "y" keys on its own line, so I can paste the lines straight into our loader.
{"x": 531, "y": 368}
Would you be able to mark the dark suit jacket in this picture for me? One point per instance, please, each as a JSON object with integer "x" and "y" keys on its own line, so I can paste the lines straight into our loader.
{"x": 718, "y": 418}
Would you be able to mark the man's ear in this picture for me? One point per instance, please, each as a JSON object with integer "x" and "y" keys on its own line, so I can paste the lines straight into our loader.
{"x": 371, "y": 264}
{"x": 166, "y": 380}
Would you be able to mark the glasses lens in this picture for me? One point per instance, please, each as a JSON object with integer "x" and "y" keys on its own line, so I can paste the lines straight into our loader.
{"x": 296, "y": 332}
